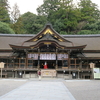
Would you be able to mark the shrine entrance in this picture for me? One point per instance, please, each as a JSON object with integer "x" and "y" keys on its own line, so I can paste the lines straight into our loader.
{"x": 48, "y": 48}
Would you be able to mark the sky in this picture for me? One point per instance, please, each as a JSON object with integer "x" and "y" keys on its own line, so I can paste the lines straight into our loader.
{"x": 26, "y": 5}
{"x": 32, "y": 5}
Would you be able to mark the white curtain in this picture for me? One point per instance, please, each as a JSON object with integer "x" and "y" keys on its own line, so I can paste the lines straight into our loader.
{"x": 47, "y": 56}
{"x": 62, "y": 56}
{"x": 34, "y": 56}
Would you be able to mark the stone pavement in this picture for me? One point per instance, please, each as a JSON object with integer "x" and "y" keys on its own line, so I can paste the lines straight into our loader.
{"x": 39, "y": 90}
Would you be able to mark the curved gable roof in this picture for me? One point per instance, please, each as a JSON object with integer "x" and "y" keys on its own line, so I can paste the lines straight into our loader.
{"x": 48, "y": 34}
{"x": 48, "y": 30}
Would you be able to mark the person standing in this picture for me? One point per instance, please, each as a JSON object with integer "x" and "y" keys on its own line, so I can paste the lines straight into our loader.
{"x": 39, "y": 75}
{"x": 45, "y": 65}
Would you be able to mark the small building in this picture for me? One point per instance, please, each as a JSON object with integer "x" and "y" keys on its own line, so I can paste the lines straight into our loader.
{"x": 63, "y": 55}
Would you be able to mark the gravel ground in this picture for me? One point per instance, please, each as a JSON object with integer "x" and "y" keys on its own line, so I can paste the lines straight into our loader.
{"x": 80, "y": 89}
{"x": 7, "y": 85}
{"x": 84, "y": 89}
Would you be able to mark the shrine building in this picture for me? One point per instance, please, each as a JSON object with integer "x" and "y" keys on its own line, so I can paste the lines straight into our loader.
{"x": 56, "y": 55}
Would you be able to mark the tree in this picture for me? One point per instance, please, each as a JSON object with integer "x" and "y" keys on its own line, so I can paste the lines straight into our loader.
{"x": 89, "y": 14}
{"x": 32, "y": 23}
{"x": 91, "y": 28}
{"x": 89, "y": 11}
{"x": 4, "y": 12}
{"x": 16, "y": 21}
{"x": 48, "y": 7}
{"x": 5, "y": 28}
{"x": 65, "y": 15}
{"x": 68, "y": 18}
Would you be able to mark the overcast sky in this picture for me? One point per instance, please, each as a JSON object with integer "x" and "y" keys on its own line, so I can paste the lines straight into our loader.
{"x": 32, "y": 5}
{"x": 26, "y": 5}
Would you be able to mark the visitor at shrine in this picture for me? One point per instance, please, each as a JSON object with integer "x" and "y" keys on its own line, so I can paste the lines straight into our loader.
{"x": 45, "y": 65}
{"x": 39, "y": 74}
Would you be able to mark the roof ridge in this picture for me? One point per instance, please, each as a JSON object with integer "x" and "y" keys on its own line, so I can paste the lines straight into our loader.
{"x": 88, "y": 35}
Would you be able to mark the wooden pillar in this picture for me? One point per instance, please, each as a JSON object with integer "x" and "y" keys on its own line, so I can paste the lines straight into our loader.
{"x": 68, "y": 59}
{"x": 26, "y": 61}
{"x": 75, "y": 63}
{"x": 92, "y": 70}
{"x": 56, "y": 58}
{"x": 80, "y": 64}
{"x": 69, "y": 64}
{"x": 16, "y": 74}
{"x": 1, "y": 72}
{"x": 24, "y": 75}
{"x": 38, "y": 58}
{"x": 78, "y": 73}
{"x": 13, "y": 74}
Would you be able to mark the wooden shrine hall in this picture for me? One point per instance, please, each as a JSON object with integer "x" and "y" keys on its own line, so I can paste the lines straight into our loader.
{"x": 56, "y": 55}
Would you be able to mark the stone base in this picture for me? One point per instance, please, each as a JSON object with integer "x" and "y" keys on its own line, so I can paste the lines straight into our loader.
{"x": 48, "y": 72}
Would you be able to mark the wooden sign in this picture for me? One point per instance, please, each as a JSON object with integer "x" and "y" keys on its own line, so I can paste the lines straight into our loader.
{"x": 2, "y": 65}
{"x": 92, "y": 65}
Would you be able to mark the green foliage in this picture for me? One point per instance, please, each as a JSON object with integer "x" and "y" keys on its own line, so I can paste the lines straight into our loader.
{"x": 93, "y": 27}
{"x": 59, "y": 26}
{"x": 66, "y": 18}
{"x": 60, "y": 13}
{"x": 18, "y": 26}
{"x": 89, "y": 32}
{"x": 32, "y": 23}
{"x": 89, "y": 11}
{"x": 85, "y": 32}
{"x": 48, "y": 7}
{"x": 4, "y": 13}
{"x": 5, "y": 28}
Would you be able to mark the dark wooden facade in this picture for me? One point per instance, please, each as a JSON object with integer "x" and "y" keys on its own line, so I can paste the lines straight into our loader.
{"x": 69, "y": 55}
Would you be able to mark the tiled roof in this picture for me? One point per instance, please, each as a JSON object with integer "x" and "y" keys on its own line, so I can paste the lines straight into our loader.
{"x": 92, "y": 41}
{"x": 92, "y": 55}
{"x": 5, "y": 40}
{"x": 5, "y": 54}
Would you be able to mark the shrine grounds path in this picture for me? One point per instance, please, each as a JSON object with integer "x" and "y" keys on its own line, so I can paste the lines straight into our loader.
{"x": 77, "y": 89}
